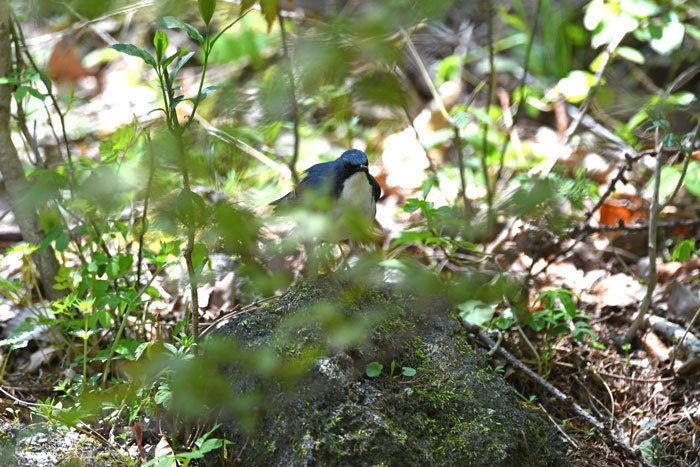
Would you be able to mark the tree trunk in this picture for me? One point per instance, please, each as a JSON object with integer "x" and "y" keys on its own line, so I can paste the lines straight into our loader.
{"x": 13, "y": 172}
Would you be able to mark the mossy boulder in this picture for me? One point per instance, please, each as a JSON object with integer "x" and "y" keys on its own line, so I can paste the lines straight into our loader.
{"x": 452, "y": 411}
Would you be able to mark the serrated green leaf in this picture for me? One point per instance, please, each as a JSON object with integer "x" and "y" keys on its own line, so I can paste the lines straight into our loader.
{"x": 683, "y": 250}
{"x": 20, "y": 336}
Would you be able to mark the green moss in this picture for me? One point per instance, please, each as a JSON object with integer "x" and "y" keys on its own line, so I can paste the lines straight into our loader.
{"x": 454, "y": 411}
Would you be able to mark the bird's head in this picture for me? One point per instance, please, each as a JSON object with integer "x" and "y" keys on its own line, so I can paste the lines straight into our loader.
{"x": 354, "y": 160}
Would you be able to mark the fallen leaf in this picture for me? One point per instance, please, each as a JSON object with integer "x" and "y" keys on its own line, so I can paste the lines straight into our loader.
{"x": 37, "y": 359}
{"x": 619, "y": 290}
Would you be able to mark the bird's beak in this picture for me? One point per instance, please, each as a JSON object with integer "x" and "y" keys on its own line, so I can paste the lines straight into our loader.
{"x": 364, "y": 167}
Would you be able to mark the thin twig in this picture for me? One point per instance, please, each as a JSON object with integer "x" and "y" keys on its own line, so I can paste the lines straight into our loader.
{"x": 691, "y": 146}
{"x": 654, "y": 211}
{"x": 636, "y": 380}
{"x": 559, "y": 428}
{"x": 560, "y": 396}
{"x": 680, "y": 341}
{"x": 236, "y": 312}
{"x": 144, "y": 215}
{"x": 635, "y": 227}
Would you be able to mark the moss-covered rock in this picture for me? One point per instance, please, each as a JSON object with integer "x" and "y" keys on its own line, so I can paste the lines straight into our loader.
{"x": 453, "y": 411}
{"x": 41, "y": 446}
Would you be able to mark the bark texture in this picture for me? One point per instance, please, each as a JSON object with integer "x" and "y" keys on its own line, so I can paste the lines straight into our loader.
{"x": 13, "y": 173}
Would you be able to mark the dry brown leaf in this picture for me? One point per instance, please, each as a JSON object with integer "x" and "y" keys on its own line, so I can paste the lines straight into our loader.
{"x": 619, "y": 290}
{"x": 37, "y": 359}
{"x": 163, "y": 450}
{"x": 682, "y": 302}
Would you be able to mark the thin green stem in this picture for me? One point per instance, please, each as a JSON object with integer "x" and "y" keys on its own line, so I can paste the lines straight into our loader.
{"x": 85, "y": 339}
{"x": 485, "y": 125}
{"x": 124, "y": 316}
{"x": 4, "y": 365}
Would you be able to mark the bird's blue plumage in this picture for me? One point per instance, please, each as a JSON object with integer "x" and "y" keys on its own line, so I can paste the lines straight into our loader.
{"x": 330, "y": 177}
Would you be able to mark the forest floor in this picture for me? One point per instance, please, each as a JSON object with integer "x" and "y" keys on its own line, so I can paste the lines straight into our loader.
{"x": 646, "y": 393}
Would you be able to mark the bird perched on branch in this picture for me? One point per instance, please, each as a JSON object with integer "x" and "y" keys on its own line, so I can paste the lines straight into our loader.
{"x": 346, "y": 179}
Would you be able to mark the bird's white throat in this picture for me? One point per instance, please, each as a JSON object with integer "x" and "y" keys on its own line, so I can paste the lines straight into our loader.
{"x": 357, "y": 192}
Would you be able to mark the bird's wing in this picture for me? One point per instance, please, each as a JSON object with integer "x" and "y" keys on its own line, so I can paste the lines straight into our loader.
{"x": 319, "y": 176}
{"x": 376, "y": 189}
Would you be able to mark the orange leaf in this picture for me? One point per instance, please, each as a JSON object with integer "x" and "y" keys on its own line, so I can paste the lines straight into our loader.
{"x": 610, "y": 214}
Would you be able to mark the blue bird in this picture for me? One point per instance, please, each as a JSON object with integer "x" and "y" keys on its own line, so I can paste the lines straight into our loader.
{"x": 346, "y": 179}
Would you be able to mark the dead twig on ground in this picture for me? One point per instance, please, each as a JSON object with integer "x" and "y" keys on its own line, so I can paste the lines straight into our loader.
{"x": 560, "y": 396}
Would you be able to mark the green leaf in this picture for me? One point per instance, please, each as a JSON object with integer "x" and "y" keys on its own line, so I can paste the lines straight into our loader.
{"x": 127, "y": 347}
{"x": 595, "y": 11}
{"x": 112, "y": 270}
{"x": 684, "y": 250}
{"x": 408, "y": 371}
{"x": 652, "y": 450}
{"x": 163, "y": 395}
{"x": 576, "y": 85}
{"x": 633, "y": 55}
{"x": 22, "y": 91}
{"x": 170, "y": 22}
{"x": 670, "y": 176}
{"x": 373, "y": 369}
{"x": 448, "y": 69}
{"x": 11, "y": 80}
{"x": 567, "y": 302}
{"x": 50, "y": 237}
{"x": 206, "y": 9}
{"x": 640, "y": 8}
{"x": 104, "y": 317}
{"x": 245, "y": 4}
{"x": 62, "y": 242}
{"x": 269, "y": 10}
{"x": 135, "y": 52}
{"x": 475, "y": 312}
{"x": 20, "y": 336}
{"x": 160, "y": 42}
{"x": 125, "y": 262}
{"x": 671, "y": 35}
{"x": 199, "y": 255}
{"x": 208, "y": 91}
{"x": 692, "y": 178}
{"x": 170, "y": 59}
{"x": 179, "y": 64}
